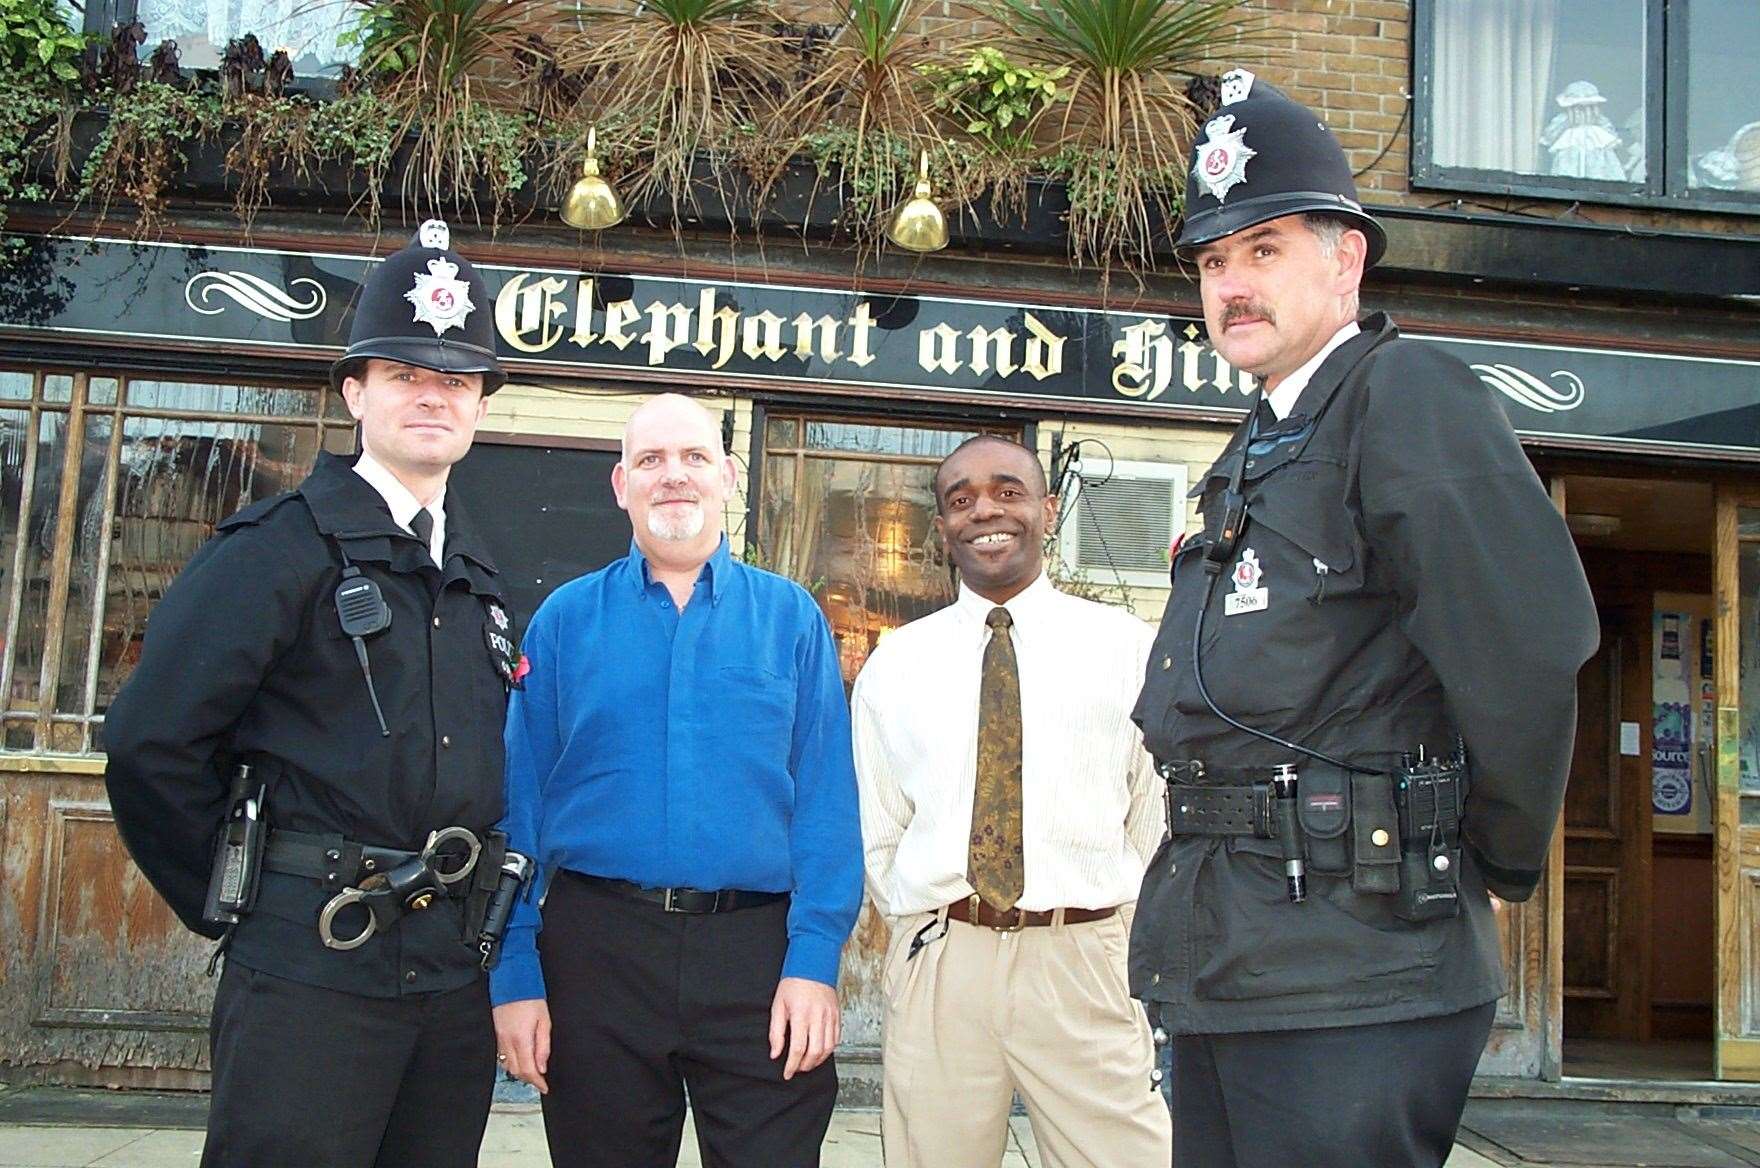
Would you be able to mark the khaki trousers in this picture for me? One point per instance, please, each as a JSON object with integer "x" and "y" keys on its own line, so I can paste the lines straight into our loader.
{"x": 978, "y": 1015}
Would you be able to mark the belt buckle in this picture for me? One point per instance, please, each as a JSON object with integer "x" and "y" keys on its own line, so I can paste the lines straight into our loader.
{"x": 667, "y": 903}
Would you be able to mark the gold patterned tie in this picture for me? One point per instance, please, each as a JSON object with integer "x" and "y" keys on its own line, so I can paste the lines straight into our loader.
{"x": 996, "y": 864}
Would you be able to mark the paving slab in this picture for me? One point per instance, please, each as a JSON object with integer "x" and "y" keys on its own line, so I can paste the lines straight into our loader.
{"x": 1601, "y": 1135}
{"x": 64, "y": 1147}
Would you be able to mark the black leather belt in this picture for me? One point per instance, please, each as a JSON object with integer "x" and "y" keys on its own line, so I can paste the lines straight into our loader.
{"x": 681, "y": 900}
{"x": 1193, "y": 810}
{"x": 335, "y": 861}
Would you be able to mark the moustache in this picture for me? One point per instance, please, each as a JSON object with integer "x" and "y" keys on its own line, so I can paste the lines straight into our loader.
{"x": 1242, "y": 309}
{"x": 658, "y": 499}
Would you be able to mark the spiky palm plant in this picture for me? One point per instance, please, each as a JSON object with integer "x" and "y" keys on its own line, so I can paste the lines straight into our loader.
{"x": 434, "y": 64}
{"x": 869, "y": 107}
{"x": 672, "y": 78}
{"x": 1123, "y": 131}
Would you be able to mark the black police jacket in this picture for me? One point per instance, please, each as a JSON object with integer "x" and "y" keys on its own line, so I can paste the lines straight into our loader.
{"x": 245, "y": 659}
{"x": 1419, "y": 583}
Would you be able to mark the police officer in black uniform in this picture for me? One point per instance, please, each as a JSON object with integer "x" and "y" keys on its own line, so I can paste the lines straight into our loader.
{"x": 326, "y": 665}
{"x": 1362, "y": 695}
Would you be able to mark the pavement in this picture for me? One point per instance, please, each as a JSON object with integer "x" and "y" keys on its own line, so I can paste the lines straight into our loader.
{"x": 63, "y": 1128}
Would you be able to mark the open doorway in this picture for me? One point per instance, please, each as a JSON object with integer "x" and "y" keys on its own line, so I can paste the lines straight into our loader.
{"x": 1639, "y": 887}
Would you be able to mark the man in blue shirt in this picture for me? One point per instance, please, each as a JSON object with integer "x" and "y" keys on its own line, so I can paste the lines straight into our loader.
{"x": 679, "y": 763}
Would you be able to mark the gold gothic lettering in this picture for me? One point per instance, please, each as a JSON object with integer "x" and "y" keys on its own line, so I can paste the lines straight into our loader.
{"x": 938, "y": 350}
{"x": 992, "y": 347}
{"x": 522, "y": 310}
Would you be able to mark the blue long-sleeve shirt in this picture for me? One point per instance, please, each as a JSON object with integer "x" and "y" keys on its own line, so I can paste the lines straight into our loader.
{"x": 708, "y": 749}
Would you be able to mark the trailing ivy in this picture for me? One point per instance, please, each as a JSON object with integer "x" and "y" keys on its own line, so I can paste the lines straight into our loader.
{"x": 356, "y": 132}
{"x": 143, "y": 144}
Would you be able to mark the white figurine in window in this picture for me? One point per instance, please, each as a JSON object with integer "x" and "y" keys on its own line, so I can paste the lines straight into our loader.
{"x": 1582, "y": 142}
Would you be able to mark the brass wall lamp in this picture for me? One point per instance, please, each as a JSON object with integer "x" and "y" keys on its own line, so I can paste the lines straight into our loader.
{"x": 919, "y": 225}
{"x": 592, "y": 204}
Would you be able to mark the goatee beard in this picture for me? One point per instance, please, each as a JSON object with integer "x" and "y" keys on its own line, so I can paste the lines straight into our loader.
{"x": 683, "y": 528}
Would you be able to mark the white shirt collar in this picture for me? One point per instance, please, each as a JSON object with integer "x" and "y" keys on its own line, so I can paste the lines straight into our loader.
{"x": 1283, "y": 398}
{"x": 1025, "y": 603}
{"x": 402, "y": 502}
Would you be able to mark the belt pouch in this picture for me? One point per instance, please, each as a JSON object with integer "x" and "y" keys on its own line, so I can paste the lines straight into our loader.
{"x": 484, "y": 880}
{"x": 1374, "y": 835}
{"x": 1325, "y": 815}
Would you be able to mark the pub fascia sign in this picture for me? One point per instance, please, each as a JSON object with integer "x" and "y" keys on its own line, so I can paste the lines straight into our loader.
{"x": 701, "y": 331}
{"x": 540, "y": 315}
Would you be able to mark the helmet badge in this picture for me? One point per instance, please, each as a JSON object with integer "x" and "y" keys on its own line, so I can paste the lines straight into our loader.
{"x": 1222, "y": 157}
{"x": 441, "y": 299}
{"x": 1237, "y": 84}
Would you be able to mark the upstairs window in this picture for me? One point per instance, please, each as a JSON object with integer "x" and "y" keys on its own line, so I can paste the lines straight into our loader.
{"x": 1621, "y": 101}
{"x": 310, "y": 30}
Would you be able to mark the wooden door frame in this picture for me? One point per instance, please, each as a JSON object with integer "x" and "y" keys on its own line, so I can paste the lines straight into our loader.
{"x": 1736, "y": 1054}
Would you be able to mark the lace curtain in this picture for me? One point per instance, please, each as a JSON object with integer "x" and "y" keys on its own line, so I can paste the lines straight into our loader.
{"x": 307, "y": 29}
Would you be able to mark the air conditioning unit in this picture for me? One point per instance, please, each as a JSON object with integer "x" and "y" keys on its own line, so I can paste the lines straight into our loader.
{"x": 1117, "y": 529}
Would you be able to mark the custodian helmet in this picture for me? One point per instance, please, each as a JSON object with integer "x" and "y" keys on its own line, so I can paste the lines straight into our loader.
{"x": 1262, "y": 157}
{"x": 426, "y": 306}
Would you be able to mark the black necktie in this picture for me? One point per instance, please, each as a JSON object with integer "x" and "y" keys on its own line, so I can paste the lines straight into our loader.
{"x": 422, "y": 524}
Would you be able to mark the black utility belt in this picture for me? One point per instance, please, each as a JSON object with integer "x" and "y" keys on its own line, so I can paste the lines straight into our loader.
{"x": 1394, "y": 834}
{"x": 334, "y": 860}
{"x": 455, "y": 863}
{"x": 695, "y": 901}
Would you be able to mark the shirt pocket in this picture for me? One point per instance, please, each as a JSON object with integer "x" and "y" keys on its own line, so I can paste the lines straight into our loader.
{"x": 753, "y": 709}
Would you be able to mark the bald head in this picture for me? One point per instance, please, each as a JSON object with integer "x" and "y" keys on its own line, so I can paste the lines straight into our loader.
{"x": 674, "y": 479}
{"x": 667, "y": 419}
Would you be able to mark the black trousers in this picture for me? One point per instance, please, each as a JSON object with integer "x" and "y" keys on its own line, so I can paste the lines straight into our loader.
{"x": 305, "y": 1076}
{"x": 1386, "y": 1096}
{"x": 646, "y": 1005}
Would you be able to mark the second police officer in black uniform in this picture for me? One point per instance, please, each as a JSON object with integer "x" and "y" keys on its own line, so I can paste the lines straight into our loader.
{"x": 1362, "y": 694}
{"x": 322, "y": 689}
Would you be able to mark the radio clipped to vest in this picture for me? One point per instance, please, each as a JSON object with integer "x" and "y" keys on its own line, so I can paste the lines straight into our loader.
{"x": 1430, "y": 795}
{"x": 362, "y": 612}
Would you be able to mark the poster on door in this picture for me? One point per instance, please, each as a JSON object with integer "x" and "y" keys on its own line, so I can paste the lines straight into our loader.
{"x": 1684, "y": 708}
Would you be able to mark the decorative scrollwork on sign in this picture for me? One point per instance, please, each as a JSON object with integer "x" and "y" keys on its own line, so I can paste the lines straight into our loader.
{"x": 254, "y": 293}
{"x": 1525, "y": 389}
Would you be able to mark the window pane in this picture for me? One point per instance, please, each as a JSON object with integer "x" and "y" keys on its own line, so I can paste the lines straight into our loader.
{"x": 14, "y": 436}
{"x": 1553, "y": 88}
{"x": 58, "y": 388}
{"x": 101, "y": 391}
{"x": 1748, "y": 658}
{"x": 782, "y": 433}
{"x": 859, "y": 536}
{"x": 858, "y": 439}
{"x": 278, "y": 402}
{"x": 15, "y": 386}
{"x": 88, "y": 529}
{"x": 178, "y": 479}
{"x": 39, "y": 525}
{"x": 339, "y": 440}
{"x": 1723, "y": 133}
{"x": 307, "y": 29}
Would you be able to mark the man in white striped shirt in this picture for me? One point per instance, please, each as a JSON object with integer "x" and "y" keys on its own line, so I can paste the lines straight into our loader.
{"x": 1008, "y": 811}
